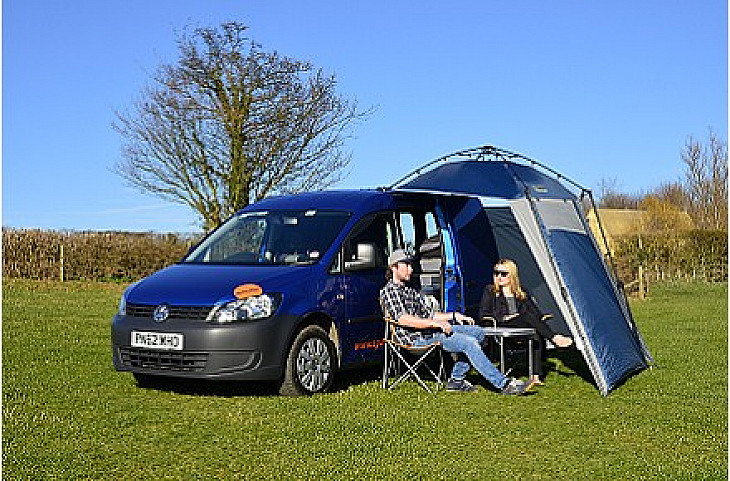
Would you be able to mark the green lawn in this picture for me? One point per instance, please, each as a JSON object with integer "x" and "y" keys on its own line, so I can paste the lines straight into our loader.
{"x": 68, "y": 414}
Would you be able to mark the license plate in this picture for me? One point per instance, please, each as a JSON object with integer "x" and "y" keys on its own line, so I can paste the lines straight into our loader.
{"x": 157, "y": 340}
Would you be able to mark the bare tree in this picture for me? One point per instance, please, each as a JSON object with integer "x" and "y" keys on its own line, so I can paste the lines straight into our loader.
{"x": 706, "y": 181}
{"x": 230, "y": 124}
{"x": 673, "y": 193}
{"x": 612, "y": 198}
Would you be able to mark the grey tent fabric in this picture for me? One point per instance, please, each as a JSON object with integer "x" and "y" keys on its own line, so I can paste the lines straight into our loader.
{"x": 531, "y": 230}
{"x": 511, "y": 242}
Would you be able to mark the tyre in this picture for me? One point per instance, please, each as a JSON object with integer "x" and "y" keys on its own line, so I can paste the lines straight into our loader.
{"x": 310, "y": 364}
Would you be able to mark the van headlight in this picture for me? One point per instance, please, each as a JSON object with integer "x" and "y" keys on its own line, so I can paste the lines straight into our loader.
{"x": 123, "y": 301}
{"x": 249, "y": 309}
{"x": 123, "y": 305}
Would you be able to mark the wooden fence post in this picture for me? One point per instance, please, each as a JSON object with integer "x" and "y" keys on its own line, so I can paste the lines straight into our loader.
{"x": 642, "y": 293}
{"x": 61, "y": 273}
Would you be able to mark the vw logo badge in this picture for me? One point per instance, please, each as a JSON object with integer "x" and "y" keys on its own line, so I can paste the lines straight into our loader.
{"x": 161, "y": 313}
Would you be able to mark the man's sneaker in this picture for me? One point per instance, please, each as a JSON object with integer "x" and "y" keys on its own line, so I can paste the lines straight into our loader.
{"x": 460, "y": 385}
{"x": 515, "y": 387}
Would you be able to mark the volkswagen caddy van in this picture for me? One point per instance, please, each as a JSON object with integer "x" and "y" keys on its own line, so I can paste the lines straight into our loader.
{"x": 287, "y": 289}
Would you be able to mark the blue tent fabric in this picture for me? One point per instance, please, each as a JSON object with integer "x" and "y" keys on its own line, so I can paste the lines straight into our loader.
{"x": 505, "y": 180}
{"x": 614, "y": 343}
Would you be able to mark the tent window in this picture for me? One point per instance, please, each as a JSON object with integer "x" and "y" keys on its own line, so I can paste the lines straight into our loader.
{"x": 560, "y": 215}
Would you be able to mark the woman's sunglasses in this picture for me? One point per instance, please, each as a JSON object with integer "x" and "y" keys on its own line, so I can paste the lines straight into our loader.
{"x": 501, "y": 273}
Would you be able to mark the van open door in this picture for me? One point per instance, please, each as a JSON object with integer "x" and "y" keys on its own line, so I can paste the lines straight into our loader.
{"x": 470, "y": 252}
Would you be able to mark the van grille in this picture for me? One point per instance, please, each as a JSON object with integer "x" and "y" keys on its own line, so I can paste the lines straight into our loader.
{"x": 176, "y": 312}
{"x": 163, "y": 360}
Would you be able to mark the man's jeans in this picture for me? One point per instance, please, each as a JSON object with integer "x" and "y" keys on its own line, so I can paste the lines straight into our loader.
{"x": 467, "y": 340}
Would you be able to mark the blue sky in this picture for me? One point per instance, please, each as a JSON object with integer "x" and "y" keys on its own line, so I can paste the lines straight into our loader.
{"x": 596, "y": 90}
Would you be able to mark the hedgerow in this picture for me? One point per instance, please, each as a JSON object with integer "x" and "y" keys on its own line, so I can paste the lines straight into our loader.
{"x": 37, "y": 254}
{"x": 70, "y": 255}
{"x": 674, "y": 255}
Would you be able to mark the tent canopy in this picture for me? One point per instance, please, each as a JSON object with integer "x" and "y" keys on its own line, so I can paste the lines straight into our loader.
{"x": 504, "y": 179}
{"x": 542, "y": 225}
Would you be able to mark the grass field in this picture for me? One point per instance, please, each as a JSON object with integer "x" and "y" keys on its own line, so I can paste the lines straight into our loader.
{"x": 68, "y": 414}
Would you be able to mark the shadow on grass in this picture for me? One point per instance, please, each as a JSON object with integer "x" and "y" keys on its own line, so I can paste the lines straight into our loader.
{"x": 565, "y": 363}
{"x": 559, "y": 362}
{"x": 205, "y": 387}
{"x": 571, "y": 359}
{"x": 355, "y": 377}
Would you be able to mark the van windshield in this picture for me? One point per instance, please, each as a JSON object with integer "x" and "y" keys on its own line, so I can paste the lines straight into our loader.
{"x": 272, "y": 237}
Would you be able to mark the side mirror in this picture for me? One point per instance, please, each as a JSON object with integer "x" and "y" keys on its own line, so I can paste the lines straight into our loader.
{"x": 364, "y": 258}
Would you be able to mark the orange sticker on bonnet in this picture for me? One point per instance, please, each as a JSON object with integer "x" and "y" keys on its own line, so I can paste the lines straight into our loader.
{"x": 247, "y": 290}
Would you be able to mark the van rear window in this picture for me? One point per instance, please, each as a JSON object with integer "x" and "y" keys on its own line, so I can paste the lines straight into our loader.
{"x": 271, "y": 237}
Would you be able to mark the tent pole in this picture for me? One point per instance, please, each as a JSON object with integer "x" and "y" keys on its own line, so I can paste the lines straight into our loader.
{"x": 482, "y": 154}
{"x": 614, "y": 270}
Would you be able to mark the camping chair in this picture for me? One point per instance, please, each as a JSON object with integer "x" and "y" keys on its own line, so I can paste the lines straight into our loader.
{"x": 405, "y": 360}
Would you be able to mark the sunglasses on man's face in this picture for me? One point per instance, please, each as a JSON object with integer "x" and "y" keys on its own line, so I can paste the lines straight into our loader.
{"x": 501, "y": 273}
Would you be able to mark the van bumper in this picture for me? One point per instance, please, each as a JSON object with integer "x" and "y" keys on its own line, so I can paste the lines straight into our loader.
{"x": 253, "y": 350}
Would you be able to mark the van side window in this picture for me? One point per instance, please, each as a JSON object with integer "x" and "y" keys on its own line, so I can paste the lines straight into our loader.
{"x": 417, "y": 228}
{"x": 372, "y": 240}
{"x": 408, "y": 230}
{"x": 432, "y": 229}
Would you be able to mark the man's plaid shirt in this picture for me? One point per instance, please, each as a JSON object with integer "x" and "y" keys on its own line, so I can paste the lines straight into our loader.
{"x": 396, "y": 300}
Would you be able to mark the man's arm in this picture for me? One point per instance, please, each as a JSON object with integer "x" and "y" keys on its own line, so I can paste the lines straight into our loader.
{"x": 457, "y": 317}
{"x": 440, "y": 321}
{"x": 410, "y": 320}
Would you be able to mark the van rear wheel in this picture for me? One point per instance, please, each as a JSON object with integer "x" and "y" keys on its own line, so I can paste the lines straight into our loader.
{"x": 310, "y": 363}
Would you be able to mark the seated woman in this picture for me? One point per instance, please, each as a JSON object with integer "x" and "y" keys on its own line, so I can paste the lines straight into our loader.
{"x": 507, "y": 303}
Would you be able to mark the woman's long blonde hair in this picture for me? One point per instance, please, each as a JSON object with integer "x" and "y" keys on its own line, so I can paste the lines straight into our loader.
{"x": 514, "y": 278}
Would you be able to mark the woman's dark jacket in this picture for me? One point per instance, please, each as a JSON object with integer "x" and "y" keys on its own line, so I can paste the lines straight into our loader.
{"x": 495, "y": 305}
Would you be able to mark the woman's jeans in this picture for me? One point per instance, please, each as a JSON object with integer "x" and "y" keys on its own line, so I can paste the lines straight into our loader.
{"x": 466, "y": 340}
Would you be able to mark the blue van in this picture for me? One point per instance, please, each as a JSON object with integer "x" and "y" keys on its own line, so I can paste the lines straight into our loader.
{"x": 286, "y": 289}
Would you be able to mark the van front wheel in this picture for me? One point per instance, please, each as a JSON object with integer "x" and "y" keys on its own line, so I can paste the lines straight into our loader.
{"x": 310, "y": 363}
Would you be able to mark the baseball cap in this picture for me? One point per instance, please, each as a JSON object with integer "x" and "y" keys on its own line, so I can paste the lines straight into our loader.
{"x": 399, "y": 255}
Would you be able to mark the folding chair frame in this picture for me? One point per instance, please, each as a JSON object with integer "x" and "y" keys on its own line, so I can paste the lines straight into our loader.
{"x": 393, "y": 358}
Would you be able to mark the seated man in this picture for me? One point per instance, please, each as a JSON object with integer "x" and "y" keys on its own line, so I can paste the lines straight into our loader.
{"x": 418, "y": 322}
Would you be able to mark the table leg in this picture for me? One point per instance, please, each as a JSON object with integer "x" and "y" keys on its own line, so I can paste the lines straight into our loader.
{"x": 501, "y": 354}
